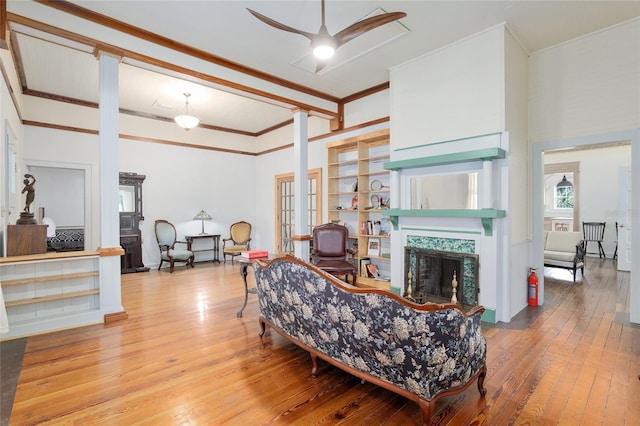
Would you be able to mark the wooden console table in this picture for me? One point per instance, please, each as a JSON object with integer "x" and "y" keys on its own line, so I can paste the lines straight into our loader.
{"x": 215, "y": 239}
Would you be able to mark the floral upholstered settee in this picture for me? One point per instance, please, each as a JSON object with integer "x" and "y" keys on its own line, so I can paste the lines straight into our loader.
{"x": 422, "y": 352}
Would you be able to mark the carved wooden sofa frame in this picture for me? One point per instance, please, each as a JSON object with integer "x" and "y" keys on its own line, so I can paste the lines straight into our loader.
{"x": 422, "y": 352}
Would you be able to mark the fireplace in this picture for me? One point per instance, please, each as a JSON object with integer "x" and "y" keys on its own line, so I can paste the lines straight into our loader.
{"x": 431, "y": 276}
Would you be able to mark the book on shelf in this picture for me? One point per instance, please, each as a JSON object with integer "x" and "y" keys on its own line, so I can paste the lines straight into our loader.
{"x": 254, "y": 254}
{"x": 363, "y": 266}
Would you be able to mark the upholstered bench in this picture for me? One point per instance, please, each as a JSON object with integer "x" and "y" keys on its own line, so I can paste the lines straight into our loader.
{"x": 564, "y": 250}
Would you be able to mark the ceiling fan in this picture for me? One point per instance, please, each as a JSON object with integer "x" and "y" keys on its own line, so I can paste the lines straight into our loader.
{"x": 323, "y": 44}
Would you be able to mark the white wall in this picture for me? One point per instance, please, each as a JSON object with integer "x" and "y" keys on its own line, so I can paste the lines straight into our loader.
{"x": 588, "y": 86}
{"x": 454, "y": 92}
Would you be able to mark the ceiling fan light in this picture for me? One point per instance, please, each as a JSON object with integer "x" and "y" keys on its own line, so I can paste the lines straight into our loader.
{"x": 323, "y": 51}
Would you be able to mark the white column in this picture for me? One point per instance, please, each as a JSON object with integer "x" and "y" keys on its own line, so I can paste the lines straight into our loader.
{"x": 395, "y": 190}
{"x": 300, "y": 184}
{"x": 487, "y": 185}
{"x": 110, "y": 291}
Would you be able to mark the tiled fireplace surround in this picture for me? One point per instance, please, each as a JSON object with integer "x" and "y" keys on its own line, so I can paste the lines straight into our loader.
{"x": 457, "y": 249}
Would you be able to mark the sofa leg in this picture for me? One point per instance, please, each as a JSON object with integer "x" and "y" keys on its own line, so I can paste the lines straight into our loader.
{"x": 427, "y": 410}
{"x": 314, "y": 363}
{"x": 481, "y": 377}
{"x": 263, "y": 328}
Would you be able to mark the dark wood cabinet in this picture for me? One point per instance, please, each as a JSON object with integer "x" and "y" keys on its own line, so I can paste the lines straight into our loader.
{"x": 130, "y": 206}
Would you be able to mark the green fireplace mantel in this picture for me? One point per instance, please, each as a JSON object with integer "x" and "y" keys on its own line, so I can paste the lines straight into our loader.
{"x": 487, "y": 154}
{"x": 485, "y": 215}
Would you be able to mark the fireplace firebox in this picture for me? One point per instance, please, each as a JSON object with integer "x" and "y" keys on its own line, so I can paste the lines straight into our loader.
{"x": 436, "y": 276}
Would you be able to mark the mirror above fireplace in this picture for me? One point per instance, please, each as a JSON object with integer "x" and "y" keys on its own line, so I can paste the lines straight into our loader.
{"x": 446, "y": 191}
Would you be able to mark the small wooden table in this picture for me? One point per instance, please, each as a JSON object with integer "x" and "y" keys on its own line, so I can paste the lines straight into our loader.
{"x": 215, "y": 238}
{"x": 244, "y": 265}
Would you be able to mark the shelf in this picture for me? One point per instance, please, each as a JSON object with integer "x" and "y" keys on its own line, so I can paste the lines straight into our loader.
{"x": 376, "y": 158}
{"x": 365, "y": 282}
{"x": 376, "y": 173}
{"x": 344, "y": 177}
{"x": 486, "y": 154}
{"x": 51, "y": 297}
{"x": 344, "y": 163}
{"x": 486, "y": 215}
{"x": 49, "y": 278}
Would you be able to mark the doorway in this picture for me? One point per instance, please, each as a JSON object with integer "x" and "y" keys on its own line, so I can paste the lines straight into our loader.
{"x": 632, "y": 138}
{"x": 63, "y": 196}
{"x": 285, "y": 208}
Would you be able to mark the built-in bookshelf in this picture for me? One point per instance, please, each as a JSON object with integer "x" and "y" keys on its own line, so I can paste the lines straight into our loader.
{"x": 358, "y": 192}
{"x": 50, "y": 291}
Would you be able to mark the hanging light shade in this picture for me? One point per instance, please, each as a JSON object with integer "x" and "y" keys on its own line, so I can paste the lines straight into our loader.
{"x": 564, "y": 183}
{"x": 185, "y": 120}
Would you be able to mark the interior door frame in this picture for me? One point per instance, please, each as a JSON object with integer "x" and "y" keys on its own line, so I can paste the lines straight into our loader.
{"x": 537, "y": 167}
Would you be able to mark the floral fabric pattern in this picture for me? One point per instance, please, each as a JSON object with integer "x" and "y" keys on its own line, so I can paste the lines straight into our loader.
{"x": 423, "y": 352}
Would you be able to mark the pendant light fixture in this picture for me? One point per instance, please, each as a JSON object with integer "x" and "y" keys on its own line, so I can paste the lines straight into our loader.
{"x": 185, "y": 120}
{"x": 564, "y": 183}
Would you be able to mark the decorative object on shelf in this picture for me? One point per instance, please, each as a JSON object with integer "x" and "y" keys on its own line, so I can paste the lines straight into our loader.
{"x": 374, "y": 247}
{"x": 354, "y": 203}
{"x": 354, "y": 187}
{"x": 185, "y": 120}
{"x": 376, "y": 227}
{"x": 375, "y": 201}
{"x": 202, "y": 216}
{"x": 376, "y": 185}
{"x": 26, "y": 216}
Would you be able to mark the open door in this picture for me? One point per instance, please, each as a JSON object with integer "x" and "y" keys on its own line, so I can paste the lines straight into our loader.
{"x": 624, "y": 219}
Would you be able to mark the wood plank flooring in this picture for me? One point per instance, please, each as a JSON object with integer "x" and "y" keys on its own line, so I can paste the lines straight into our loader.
{"x": 183, "y": 358}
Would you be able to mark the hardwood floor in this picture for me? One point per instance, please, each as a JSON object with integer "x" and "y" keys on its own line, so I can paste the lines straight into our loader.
{"x": 183, "y": 357}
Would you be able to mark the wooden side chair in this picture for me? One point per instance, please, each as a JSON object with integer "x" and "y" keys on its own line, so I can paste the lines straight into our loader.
{"x": 166, "y": 236}
{"x": 594, "y": 233}
{"x": 330, "y": 250}
{"x": 238, "y": 241}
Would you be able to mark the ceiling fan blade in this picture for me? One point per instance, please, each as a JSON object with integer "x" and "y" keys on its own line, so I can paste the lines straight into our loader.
{"x": 280, "y": 26}
{"x": 365, "y": 25}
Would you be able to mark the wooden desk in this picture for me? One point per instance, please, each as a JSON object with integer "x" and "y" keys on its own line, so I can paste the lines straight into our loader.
{"x": 215, "y": 240}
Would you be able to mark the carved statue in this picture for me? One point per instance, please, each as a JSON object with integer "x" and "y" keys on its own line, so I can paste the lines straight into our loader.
{"x": 29, "y": 189}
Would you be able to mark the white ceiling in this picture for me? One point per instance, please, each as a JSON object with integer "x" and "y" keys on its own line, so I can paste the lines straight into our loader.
{"x": 56, "y": 66}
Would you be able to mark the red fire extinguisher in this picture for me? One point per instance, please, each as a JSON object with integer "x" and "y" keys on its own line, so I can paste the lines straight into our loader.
{"x": 533, "y": 287}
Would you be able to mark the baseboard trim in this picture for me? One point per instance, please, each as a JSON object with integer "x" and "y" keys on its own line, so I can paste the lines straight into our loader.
{"x": 115, "y": 317}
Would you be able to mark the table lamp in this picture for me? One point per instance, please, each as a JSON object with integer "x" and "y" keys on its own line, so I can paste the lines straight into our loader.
{"x": 202, "y": 216}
